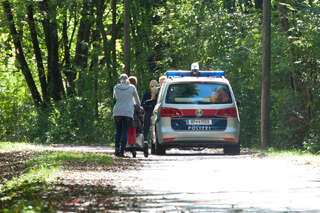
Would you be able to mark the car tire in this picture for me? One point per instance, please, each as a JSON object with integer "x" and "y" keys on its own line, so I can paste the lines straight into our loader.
{"x": 159, "y": 149}
{"x": 231, "y": 149}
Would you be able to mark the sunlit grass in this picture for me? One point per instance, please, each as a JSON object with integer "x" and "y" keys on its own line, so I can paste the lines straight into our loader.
{"x": 45, "y": 167}
{"x": 19, "y": 146}
{"x": 20, "y": 193}
{"x": 293, "y": 154}
{"x": 40, "y": 171}
{"x": 58, "y": 158}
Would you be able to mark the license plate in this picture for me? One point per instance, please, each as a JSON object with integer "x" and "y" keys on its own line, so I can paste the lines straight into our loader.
{"x": 199, "y": 122}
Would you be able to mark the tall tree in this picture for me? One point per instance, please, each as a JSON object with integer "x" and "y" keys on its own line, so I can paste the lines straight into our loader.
{"x": 100, "y": 7}
{"x": 19, "y": 54}
{"x": 266, "y": 64}
{"x": 258, "y": 4}
{"x": 50, "y": 27}
{"x": 37, "y": 52}
{"x": 113, "y": 41}
{"x": 126, "y": 48}
{"x": 82, "y": 47}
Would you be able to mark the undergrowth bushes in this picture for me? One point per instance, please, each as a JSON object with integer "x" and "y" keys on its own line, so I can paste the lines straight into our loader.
{"x": 312, "y": 140}
{"x": 71, "y": 121}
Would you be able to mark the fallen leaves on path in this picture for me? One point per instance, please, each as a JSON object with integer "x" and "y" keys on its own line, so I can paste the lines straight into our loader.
{"x": 80, "y": 187}
{"x": 12, "y": 164}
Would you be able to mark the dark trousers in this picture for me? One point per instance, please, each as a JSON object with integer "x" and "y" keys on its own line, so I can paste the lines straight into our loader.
{"x": 146, "y": 125}
{"x": 121, "y": 137}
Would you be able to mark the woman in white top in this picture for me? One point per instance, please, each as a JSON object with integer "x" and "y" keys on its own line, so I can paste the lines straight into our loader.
{"x": 123, "y": 110}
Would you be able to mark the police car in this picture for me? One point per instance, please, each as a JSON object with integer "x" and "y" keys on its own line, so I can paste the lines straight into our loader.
{"x": 195, "y": 109}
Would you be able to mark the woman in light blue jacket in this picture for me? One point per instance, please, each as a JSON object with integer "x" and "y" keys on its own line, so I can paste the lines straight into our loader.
{"x": 123, "y": 110}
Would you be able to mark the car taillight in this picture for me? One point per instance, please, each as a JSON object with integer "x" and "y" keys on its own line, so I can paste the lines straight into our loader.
{"x": 227, "y": 112}
{"x": 169, "y": 112}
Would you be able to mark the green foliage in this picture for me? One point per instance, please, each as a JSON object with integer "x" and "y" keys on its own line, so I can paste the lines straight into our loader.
{"x": 289, "y": 120}
{"x": 15, "y": 105}
{"x": 171, "y": 35}
{"x": 289, "y": 153}
{"x": 312, "y": 140}
{"x": 70, "y": 121}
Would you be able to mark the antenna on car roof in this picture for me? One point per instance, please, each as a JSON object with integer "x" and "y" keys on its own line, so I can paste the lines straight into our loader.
{"x": 195, "y": 69}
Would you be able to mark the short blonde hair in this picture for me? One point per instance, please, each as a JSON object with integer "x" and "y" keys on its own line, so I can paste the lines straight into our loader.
{"x": 153, "y": 83}
{"x": 123, "y": 78}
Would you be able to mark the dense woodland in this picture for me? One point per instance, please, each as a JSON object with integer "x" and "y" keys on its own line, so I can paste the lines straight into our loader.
{"x": 61, "y": 59}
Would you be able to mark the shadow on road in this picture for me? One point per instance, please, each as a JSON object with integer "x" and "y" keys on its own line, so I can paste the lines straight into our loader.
{"x": 205, "y": 152}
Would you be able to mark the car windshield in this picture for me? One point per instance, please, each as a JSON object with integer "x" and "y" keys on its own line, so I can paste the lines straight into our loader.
{"x": 198, "y": 93}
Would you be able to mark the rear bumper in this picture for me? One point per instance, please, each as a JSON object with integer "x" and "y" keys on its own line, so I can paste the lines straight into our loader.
{"x": 195, "y": 144}
{"x": 215, "y": 139}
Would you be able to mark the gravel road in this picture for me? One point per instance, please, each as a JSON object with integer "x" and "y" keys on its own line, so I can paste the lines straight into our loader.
{"x": 206, "y": 181}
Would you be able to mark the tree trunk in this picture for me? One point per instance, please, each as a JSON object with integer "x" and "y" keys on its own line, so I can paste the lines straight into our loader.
{"x": 294, "y": 54}
{"x": 266, "y": 62}
{"x": 100, "y": 7}
{"x": 82, "y": 47}
{"x": 37, "y": 52}
{"x": 284, "y": 22}
{"x": 126, "y": 48}
{"x": 55, "y": 85}
{"x": 258, "y": 4}
{"x": 113, "y": 44}
{"x": 20, "y": 55}
{"x": 67, "y": 61}
{"x": 94, "y": 67}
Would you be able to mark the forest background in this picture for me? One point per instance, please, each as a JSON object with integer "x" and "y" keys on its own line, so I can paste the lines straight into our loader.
{"x": 61, "y": 59}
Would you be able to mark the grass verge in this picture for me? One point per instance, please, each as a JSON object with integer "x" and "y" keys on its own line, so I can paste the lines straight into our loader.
{"x": 19, "y": 146}
{"x": 296, "y": 155}
{"x": 23, "y": 193}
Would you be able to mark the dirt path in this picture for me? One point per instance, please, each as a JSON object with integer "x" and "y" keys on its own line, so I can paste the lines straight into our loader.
{"x": 208, "y": 181}
{"x": 189, "y": 181}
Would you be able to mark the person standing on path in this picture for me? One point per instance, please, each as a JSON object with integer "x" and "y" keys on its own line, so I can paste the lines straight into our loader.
{"x": 125, "y": 95}
{"x": 148, "y": 103}
{"x": 137, "y": 124}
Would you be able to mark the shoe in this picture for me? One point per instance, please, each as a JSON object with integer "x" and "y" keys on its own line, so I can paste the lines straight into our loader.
{"x": 117, "y": 153}
{"x": 122, "y": 156}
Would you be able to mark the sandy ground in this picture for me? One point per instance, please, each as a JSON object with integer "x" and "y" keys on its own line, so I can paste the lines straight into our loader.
{"x": 208, "y": 181}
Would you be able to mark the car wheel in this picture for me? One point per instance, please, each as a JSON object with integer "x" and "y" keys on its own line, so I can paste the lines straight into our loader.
{"x": 231, "y": 149}
{"x": 153, "y": 139}
{"x": 159, "y": 149}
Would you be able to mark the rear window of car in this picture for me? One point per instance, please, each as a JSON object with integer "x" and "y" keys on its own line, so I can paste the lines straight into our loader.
{"x": 198, "y": 93}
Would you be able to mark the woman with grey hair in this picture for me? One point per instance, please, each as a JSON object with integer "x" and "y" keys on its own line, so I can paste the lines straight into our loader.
{"x": 125, "y": 95}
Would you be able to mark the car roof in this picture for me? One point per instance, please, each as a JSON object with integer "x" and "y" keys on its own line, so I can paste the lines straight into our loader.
{"x": 213, "y": 79}
{"x": 197, "y": 79}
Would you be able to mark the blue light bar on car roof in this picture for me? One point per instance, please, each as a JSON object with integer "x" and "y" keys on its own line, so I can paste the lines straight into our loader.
{"x": 189, "y": 73}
